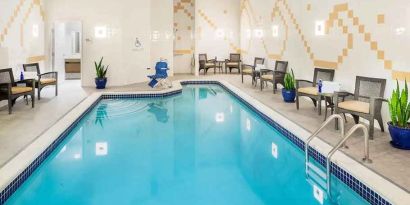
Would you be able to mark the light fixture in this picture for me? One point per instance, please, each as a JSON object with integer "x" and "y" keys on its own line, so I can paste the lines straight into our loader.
{"x": 35, "y": 30}
{"x": 275, "y": 30}
{"x": 220, "y": 34}
{"x": 400, "y": 31}
{"x": 320, "y": 28}
{"x": 100, "y": 31}
{"x": 101, "y": 148}
{"x": 258, "y": 33}
{"x": 318, "y": 194}
{"x": 220, "y": 117}
{"x": 155, "y": 36}
{"x": 274, "y": 150}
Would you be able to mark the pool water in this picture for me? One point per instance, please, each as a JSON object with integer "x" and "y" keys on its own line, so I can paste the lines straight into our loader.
{"x": 199, "y": 147}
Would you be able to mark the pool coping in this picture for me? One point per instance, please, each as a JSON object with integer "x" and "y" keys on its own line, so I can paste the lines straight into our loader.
{"x": 376, "y": 190}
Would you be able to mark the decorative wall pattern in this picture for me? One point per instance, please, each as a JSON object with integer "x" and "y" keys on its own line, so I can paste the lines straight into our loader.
{"x": 22, "y": 31}
{"x": 217, "y": 31}
{"x": 342, "y": 21}
{"x": 184, "y": 42}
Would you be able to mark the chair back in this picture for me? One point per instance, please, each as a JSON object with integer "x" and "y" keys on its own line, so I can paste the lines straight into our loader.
{"x": 161, "y": 69}
{"x": 258, "y": 61}
{"x": 369, "y": 87}
{"x": 323, "y": 74}
{"x": 281, "y": 66}
{"x": 6, "y": 76}
{"x": 234, "y": 57}
{"x": 32, "y": 67}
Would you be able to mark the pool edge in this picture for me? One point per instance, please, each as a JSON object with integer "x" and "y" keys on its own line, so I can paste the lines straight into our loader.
{"x": 17, "y": 170}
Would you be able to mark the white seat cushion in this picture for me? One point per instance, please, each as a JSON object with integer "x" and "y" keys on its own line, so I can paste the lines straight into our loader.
{"x": 309, "y": 90}
{"x": 247, "y": 71}
{"x": 267, "y": 77}
{"x": 232, "y": 64}
{"x": 357, "y": 106}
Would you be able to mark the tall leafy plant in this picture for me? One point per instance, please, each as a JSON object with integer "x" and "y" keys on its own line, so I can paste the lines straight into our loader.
{"x": 399, "y": 107}
{"x": 290, "y": 81}
{"x": 100, "y": 69}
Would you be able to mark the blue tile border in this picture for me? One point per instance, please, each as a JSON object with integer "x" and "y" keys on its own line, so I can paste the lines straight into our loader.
{"x": 360, "y": 188}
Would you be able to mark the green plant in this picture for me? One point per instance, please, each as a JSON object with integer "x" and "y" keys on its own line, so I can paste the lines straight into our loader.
{"x": 290, "y": 81}
{"x": 100, "y": 69}
{"x": 399, "y": 107}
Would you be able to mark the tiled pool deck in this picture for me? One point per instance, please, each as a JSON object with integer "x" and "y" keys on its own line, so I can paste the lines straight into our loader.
{"x": 393, "y": 164}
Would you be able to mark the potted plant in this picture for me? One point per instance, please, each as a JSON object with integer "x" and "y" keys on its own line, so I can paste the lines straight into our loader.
{"x": 101, "y": 71}
{"x": 289, "y": 90}
{"x": 399, "y": 126}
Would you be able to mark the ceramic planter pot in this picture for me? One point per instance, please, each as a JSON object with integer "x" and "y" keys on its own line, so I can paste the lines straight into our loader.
{"x": 400, "y": 137}
{"x": 100, "y": 83}
{"x": 289, "y": 95}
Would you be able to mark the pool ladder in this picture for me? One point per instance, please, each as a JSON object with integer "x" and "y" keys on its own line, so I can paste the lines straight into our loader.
{"x": 326, "y": 176}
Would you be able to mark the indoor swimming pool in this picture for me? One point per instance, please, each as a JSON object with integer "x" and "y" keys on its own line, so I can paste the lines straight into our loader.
{"x": 203, "y": 146}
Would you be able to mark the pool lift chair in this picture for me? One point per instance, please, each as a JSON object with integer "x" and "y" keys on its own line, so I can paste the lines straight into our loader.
{"x": 160, "y": 79}
{"x": 320, "y": 174}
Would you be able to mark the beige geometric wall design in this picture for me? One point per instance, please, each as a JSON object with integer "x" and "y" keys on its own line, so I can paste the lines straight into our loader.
{"x": 213, "y": 26}
{"x": 333, "y": 21}
{"x": 17, "y": 11}
{"x": 185, "y": 7}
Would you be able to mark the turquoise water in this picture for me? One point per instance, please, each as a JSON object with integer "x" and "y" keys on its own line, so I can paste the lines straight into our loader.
{"x": 200, "y": 147}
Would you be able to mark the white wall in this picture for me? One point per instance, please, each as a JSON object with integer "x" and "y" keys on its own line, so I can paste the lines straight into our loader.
{"x": 217, "y": 28}
{"x": 125, "y": 20}
{"x": 162, "y": 32}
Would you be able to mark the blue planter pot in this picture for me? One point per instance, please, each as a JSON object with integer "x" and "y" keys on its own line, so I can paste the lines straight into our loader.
{"x": 100, "y": 83}
{"x": 289, "y": 95}
{"x": 400, "y": 137}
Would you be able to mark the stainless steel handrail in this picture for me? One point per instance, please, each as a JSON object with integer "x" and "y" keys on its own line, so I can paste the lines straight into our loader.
{"x": 341, "y": 143}
{"x": 330, "y": 119}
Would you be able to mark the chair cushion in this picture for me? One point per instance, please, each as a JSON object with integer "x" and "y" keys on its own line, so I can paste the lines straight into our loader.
{"x": 247, "y": 71}
{"x": 354, "y": 105}
{"x": 267, "y": 77}
{"x": 232, "y": 64}
{"x": 48, "y": 80}
{"x": 308, "y": 90}
{"x": 18, "y": 90}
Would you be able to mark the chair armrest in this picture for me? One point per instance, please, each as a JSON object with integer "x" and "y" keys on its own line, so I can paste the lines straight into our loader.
{"x": 374, "y": 101}
{"x": 247, "y": 65}
{"x": 298, "y": 81}
{"x": 279, "y": 72}
{"x": 53, "y": 74}
{"x": 266, "y": 71}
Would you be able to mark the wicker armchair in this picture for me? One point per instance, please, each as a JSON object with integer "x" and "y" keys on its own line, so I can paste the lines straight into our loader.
{"x": 276, "y": 76}
{"x": 234, "y": 62}
{"x": 44, "y": 79}
{"x": 365, "y": 102}
{"x": 205, "y": 64}
{"x": 250, "y": 69}
{"x": 308, "y": 88}
{"x": 10, "y": 91}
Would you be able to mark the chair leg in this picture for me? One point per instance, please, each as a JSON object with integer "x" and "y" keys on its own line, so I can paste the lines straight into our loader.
{"x": 33, "y": 98}
{"x": 10, "y": 106}
{"x": 297, "y": 101}
{"x": 56, "y": 89}
{"x": 38, "y": 93}
{"x": 26, "y": 98}
{"x": 380, "y": 121}
{"x": 242, "y": 77}
{"x": 326, "y": 113}
{"x": 371, "y": 128}
{"x": 356, "y": 119}
{"x": 261, "y": 84}
{"x": 275, "y": 87}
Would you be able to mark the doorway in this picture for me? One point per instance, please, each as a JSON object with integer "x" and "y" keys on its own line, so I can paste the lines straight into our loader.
{"x": 67, "y": 49}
